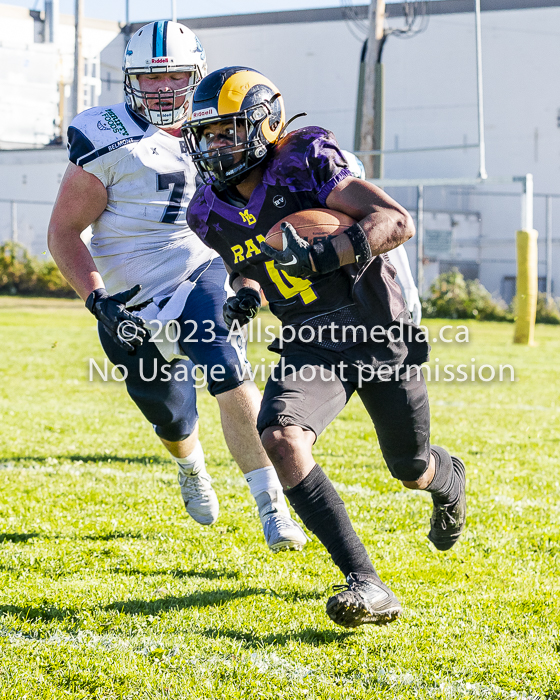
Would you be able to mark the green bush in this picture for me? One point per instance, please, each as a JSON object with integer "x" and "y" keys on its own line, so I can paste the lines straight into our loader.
{"x": 451, "y": 296}
{"x": 21, "y": 273}
{"x": 548, "y": 310}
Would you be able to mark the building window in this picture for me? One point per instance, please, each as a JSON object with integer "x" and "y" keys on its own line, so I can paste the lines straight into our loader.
{"x": 509, "y": 287}
{"x": 468, "y": 268}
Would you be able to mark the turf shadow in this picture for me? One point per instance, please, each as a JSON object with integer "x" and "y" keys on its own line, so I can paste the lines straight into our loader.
{"x": 308, "y": 635}
{"x": 204, "y": 599}
{"x": 113, "y": 536}
{"x": 296, "y": 596}
{"x": 97, "y": 457}
{"x": 32, "y": 612}
{"x": 210, "y": 574}
{"x": 18, "y": 536}
{"x": 145, "y": 459}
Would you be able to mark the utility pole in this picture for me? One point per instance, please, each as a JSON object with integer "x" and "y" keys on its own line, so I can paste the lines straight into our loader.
{"x": 548, "y": 201}
{"x": 379, "y": 118}
{"x": 52, "y": 19}
{"x": 369, "y": 135}
{"x": 174, "y": 10}
{"x": 482, "y": 174}
{"x": 127, "y": 30}
{"x": 420, "y": 239}
{"x": 13, "y": 222}
{"x": 78, "y": 96}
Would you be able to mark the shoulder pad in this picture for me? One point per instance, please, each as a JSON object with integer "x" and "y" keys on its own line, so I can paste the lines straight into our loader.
{"x": 101, "y": 130}
{"x": 291, "y": 158}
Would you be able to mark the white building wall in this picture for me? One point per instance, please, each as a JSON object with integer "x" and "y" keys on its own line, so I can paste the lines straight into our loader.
{"x": 314, "y": 65}
{"x": 36, "y": 73}
{"x": 29, "y": 95}
{"x": 30, "y": 178}
{"x": 430, "y": 101}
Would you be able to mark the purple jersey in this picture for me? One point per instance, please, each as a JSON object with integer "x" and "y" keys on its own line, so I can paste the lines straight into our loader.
{"x": 303, "y": 170}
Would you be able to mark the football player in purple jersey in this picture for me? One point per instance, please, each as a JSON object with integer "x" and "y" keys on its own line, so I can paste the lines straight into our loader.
{"x": 343, "y": 315}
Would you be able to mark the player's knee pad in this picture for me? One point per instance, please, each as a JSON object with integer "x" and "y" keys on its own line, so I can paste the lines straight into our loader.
{"x": 174, "y": 432}
{"x": 169, "y": 407}
{"x": 228, "y": 368}
{"x": 409, "y": 465}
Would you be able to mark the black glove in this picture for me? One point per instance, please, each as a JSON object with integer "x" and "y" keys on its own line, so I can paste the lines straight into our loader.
{"x": 296, "y": 257}
{"x": 127, "y": 330}
{"x": 242, "y": 307}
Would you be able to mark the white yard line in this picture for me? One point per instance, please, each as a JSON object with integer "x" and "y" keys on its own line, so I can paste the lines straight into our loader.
{"x": 272, "y": 664}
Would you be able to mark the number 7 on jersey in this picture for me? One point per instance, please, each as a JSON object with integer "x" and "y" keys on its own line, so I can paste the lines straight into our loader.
{"x": 174, "y": 208}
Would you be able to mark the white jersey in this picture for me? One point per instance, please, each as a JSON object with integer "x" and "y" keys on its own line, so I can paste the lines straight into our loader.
{"x": 142, "y": 237}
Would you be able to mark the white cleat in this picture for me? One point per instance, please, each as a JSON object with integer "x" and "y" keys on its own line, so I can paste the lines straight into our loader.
{"x": 200, "y": 498}
{"x": 281, "y": 532}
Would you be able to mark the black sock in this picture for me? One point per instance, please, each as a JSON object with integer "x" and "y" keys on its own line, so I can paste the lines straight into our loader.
{"x": 446, "y": 484}
{"x": 322, "y": 510}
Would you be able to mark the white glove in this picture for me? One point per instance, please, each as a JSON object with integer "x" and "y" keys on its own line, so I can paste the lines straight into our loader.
{"x": 413, "y": 303}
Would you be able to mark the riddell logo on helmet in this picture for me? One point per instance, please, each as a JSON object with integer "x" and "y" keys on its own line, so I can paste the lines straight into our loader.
{"x": 160, "y": 60}
{"x": 210, "y": 112}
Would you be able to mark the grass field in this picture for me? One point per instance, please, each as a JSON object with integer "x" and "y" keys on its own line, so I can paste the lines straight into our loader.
{"x": 108, "y": 590}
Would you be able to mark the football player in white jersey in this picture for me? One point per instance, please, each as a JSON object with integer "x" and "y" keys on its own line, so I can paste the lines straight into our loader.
{"x": 131, "y": 180}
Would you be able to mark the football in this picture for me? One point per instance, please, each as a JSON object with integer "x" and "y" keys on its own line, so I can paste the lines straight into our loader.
{"x": 311, "y": 224}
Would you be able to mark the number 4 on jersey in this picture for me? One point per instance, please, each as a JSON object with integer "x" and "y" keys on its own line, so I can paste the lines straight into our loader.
{"x": 174, "y": 208}
{"x": 289, "y": 286}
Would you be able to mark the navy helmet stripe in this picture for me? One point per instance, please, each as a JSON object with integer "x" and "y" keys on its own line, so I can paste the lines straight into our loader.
{"x": 154, "y": 40}
{"x": 164, "y": 49}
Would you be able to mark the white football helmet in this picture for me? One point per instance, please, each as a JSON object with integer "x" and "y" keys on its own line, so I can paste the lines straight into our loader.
{"x": 162, "y": 47}
{"x": 355, "y": 165}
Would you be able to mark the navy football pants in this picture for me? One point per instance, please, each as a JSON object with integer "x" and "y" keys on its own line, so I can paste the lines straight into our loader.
{"x": 165, "y": 392}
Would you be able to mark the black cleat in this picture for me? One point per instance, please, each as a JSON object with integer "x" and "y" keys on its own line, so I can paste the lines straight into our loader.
{"x": 362, "y": 601}
{"x": 448, "y": 519}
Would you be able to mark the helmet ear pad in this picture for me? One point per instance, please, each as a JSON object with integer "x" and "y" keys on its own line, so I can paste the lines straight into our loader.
{"x": 265, "y": 118}
{"x": 257, "y": 152}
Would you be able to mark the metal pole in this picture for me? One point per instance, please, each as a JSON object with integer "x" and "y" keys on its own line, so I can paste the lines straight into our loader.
{"x": 127, "y": 31}
{"x": 52, "y": 18}
{"x": 527, "y": 203}
{"x": 14, "y": 226}
{"x": 548, "y": 201}
{"x": 360, "y": 100}
{"x": 420, "y": 239}
{"x": 379, "y": 121}
{"x": 482, "y": 146}
{"x": 375, "y": 16}
{"x": 78, "y": 57}
{"x": 174, "y": 10}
